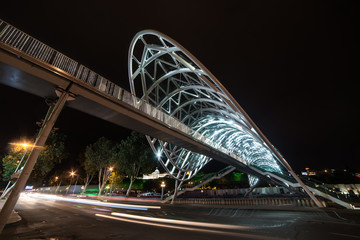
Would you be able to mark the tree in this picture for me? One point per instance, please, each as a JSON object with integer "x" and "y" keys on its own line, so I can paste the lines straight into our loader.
{"x": 51, "y": 154}
{"x": 11, "y": 160}
{"x": 115, "y": 179}
{"x": 134, "y": 155}
{"x": 90, "y": 170}
{"x": 99, "y": 157}
{"x": 60, "y": 177}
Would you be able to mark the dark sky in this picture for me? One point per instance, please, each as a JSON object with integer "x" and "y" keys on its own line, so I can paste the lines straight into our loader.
{"x": 289, "y": 64}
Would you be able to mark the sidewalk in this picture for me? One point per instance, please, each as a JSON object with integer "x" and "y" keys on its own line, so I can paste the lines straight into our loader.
{"x": 14, "y": 217}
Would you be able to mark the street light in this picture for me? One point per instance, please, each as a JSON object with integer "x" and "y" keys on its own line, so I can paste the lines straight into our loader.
{"x": 25, "y": 147}
{"x": 162, "y": 189}
{"x": 72, "y": 174}
{"x": 58, "y": 184}
{"x": 111, "y": 169}
{"x": 77, "y": 178}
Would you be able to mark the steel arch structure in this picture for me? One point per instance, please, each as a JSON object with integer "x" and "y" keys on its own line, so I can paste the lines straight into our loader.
{"x": 167, "y": 76}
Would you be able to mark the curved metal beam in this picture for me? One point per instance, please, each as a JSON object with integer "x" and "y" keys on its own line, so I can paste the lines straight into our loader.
{"x": 255, "y": 148}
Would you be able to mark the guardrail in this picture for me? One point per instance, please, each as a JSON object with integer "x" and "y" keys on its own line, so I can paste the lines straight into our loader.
{"x": 298, "y": 202}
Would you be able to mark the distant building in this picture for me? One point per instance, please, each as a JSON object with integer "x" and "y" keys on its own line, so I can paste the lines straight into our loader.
{"x": 155, "y": 175}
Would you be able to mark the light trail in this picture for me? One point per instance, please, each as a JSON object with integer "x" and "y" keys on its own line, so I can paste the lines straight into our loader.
{"x": 92, "y": 202}
{"x": 182, "y": 222}
{"x": 345, "y": 235}
{"x": 243, "y": 235}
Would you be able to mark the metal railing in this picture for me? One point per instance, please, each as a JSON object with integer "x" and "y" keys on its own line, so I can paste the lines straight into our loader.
{"x": 270, "y": 201}
{"x": 328, "y": 191}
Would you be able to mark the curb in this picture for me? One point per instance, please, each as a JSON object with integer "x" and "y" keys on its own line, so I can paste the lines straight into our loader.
{"x": 14, "y": 217}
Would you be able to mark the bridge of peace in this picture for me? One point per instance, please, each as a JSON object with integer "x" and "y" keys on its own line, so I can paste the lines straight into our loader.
{"x": 189, "y": 118}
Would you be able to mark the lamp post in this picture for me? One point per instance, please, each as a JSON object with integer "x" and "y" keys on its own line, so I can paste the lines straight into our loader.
{"x": 58, "y": 184}
{"x": 111, "y": 169}
{"x": 162, "y": 189}
{"x": 77, "y": 178}
{"x": 72, "y": 173}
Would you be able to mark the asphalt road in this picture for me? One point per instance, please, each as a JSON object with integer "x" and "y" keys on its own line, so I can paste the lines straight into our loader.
{"x": 69, "y": 218}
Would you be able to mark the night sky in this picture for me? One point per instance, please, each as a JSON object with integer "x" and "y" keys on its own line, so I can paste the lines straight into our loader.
{"x": 289, "y": 64}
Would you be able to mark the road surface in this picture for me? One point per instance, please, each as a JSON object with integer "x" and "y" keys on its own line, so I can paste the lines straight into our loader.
{"x": 60, "y": 218}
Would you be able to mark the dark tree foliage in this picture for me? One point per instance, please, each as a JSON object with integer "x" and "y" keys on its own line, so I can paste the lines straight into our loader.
{"x": 99, "y": 159}
{"x": 10, "y": 162}
{"x": 134, "y": 156}
{"x": 51, "y": 154}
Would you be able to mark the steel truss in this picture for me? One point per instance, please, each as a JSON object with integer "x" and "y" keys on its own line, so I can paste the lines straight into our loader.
{"x": 170, "y": 78}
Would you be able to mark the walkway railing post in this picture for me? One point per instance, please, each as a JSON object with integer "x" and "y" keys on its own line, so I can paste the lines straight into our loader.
{"x": 49, "y": 122}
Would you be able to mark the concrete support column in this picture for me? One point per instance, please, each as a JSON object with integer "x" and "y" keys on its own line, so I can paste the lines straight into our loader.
{"x": 49, "y": 122}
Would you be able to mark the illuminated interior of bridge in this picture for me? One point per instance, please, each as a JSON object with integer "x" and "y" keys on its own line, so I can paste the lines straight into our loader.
{"x": 168, "y": 77}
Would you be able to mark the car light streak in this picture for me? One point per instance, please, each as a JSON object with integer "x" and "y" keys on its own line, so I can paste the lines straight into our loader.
{"x": 181, "y": 222}
{"x": 243, "y": 235}
{"x": 345, "y": 235}
{"x": 94, "y": 202}
{"x": 102, "y": 209}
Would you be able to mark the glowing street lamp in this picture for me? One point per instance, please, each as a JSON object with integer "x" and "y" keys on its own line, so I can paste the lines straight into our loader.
{"x": 26, "y": 147}
{"x": 110, "y": 170}
{"x": 58, "y": 184}
{"x": 23, "y": 144}
{"x": 162, "y": 189}
{"x": 16, "y": 173}
{"x": 72, "y": 174}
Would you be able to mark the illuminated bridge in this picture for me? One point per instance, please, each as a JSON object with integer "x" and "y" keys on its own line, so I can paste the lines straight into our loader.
{"x": 189, "y": 115}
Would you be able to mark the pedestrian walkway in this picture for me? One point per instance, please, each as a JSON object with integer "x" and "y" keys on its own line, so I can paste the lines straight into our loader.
{"x": 14, "y": 217}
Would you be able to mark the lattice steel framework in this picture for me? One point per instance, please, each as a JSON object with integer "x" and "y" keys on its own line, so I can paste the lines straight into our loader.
{"x": 167, "y": 76}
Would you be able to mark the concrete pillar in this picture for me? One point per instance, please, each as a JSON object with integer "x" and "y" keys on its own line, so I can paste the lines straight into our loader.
{"x": 49, "y": 122}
